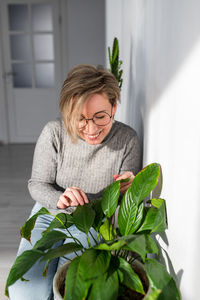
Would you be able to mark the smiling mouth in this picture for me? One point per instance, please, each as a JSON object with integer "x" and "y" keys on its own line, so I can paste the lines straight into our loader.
{"x": 92, "y": 136}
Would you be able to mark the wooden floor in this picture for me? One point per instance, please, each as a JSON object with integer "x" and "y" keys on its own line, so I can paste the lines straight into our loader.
{"x": 15, "y": 202}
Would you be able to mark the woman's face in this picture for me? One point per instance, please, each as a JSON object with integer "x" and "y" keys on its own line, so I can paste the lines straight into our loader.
{"x": 95, "y": 106}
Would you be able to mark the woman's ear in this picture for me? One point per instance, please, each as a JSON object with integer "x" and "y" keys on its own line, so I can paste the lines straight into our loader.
{"x": 114, "y": 109}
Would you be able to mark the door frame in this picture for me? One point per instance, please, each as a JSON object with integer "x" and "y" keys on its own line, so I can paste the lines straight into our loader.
{"x": 4, "y": 135}
{"x": 5, "y": 105}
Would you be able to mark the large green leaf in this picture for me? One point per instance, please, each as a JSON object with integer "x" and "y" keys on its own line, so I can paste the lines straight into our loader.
{"x": 30, "y": 223}
{"x": 61, "y": 220}
{"x": 84, "y": 217}
{"x": 128, "y": 277}
{"x": 109, "y": 55}
{"x": 110, "y": 198}
{"x": 21, "y": 265}
{"x": 157, "y": 190}
{"x": 143, "y": 183}
{"x": 75, "y": 287}
{"x": 49, "y": 239}
{"x": 94, "y": 263}
{"x": 96, "y": 205}
{"x": 153, "y": 295}
{"x": 107, "y": 230}
{"x": 61, "y": 251}
{"x": 115, "y": 246}
{"x": 142, "y": 244}
{"x": 155, "y": 219}
{"x": 127, "y": 213}
{"x": 115, "y": 49}
{"x": 105, "y": 287}
{"x": 138, "y": 219}
{"x": 160, "y": 279}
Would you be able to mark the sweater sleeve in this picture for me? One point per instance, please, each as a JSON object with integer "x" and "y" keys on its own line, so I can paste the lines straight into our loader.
{"x": 42, "y": 185}
{"x": 132, "y": 156}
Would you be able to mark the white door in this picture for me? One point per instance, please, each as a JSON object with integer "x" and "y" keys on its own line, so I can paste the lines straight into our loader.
{"x": 31, "y": 56}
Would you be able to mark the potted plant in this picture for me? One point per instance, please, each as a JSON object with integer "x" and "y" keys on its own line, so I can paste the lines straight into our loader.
{"x": 109, "y": 269}
{"x": 115, "y": 62}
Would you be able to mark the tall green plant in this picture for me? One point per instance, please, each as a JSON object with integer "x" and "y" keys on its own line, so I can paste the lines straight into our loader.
{"x": 105, "y": 270}
{"x": 115, "y": 62}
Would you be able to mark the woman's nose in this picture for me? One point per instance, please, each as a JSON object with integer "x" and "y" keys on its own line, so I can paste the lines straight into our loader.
{"x": 91, "y": 126}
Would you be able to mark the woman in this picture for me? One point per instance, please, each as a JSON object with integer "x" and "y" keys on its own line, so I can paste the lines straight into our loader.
{"x": 75, "y": 159}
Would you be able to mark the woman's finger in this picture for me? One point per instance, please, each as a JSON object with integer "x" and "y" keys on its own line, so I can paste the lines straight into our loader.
{"x": 72, "y": 198}
{"x": 78, "y": 196}
{"x": 115, "y": 176}
{"x": 129, "y": 176}
{"x": 125, "y": 188}
{"x": 84, "y": 196}
{"x": 129, "y": 180}
{"x": 62, "y": 202}
{"x": 125, "y": 175}
{"x": 126, "y": 184}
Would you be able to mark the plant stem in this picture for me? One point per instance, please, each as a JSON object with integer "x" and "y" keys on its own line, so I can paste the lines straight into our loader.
{"x": 74, "y": 239}
{"x": 131, "y": 260}
{"x": 58, "y": 220}
{"x": 89, "y": 244}
{"x": 118, "y": 252}
{"x": 67, "y": 258}
{"x": 126, "y": 254}
{"x": 93, "y": 238}
{"x": 99, "y": 237}
{"x": 114, "y": 220}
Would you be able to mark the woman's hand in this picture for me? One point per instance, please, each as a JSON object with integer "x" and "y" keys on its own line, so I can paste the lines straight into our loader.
{"x": 72, "y": 197}
{"x": 124, "y": 185}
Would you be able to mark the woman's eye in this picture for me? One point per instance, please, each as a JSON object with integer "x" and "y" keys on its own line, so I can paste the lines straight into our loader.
{"x": 100, "y": 117}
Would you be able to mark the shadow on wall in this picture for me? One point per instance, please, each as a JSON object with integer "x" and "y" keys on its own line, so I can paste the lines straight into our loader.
{"x": 165, "y": 259}
{"x": 136, "y": 91}
{"x": 160, "y": 46}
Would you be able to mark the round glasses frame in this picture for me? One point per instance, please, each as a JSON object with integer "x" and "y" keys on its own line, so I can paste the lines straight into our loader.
{"x": 85, "y": 120}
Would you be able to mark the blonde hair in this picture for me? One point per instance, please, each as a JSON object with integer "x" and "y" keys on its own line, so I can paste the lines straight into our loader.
{"x": 81, "y": 82}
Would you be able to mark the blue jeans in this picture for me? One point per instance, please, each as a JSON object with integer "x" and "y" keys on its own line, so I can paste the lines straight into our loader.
{"x": 39, "y": 287}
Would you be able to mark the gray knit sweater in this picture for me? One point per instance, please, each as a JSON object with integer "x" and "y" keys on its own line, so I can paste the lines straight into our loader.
{"x": 58, "y": 163}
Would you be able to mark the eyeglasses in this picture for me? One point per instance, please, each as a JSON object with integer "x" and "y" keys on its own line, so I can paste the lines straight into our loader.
{"x": 100, "y": 119}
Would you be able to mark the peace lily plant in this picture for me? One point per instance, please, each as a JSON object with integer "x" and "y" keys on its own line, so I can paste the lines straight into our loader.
{"x": 104, "y": 271}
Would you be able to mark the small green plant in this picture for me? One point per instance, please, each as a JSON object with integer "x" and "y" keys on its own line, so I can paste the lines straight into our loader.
{"x": 115, "y": 63}
{"x": 106, "y": 269}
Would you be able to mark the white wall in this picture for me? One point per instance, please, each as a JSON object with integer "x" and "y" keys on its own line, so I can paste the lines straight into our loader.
{"x": 123, "y": 20}
{"x": 160, "y": 47}
{"x": 85, "y": 31}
